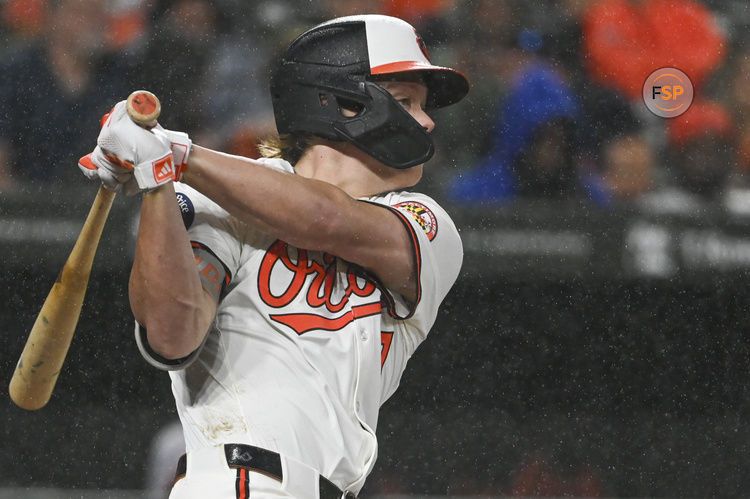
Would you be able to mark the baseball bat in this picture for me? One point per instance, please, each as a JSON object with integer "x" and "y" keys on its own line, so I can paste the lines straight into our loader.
{"x": 47, "y": 346}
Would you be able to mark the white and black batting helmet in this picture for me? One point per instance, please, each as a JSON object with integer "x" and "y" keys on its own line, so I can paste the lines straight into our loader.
{"x": 334, "y": 65}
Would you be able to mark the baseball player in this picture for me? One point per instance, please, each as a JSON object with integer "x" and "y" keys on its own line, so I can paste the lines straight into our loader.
{"x": 285, "y": 295}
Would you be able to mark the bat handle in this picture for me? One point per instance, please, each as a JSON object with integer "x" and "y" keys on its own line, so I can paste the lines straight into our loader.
{"x": 88, "y": 239}
{"x": 143, "y": 108}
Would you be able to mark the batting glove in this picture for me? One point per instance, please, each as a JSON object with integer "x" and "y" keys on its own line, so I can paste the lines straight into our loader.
{"x": 114, "y": 177}
{"x": 126, "y": 151}
{"x": 180, "y": 144}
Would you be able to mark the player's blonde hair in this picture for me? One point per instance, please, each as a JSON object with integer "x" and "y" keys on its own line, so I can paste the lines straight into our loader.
{"x": 290, "y": 147}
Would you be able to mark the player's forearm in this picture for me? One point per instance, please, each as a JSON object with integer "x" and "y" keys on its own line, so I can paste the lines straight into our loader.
{"x": 166, "y": 295}
{"x": 301, "y": 211}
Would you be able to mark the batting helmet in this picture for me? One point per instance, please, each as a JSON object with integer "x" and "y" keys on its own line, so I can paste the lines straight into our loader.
{"x": 334, "y": 65}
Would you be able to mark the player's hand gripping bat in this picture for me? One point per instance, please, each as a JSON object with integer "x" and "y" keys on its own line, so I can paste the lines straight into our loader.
{"x": 48, "y": 342}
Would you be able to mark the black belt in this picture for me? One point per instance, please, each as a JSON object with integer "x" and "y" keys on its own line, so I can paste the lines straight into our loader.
{"x": 251, "y": 458}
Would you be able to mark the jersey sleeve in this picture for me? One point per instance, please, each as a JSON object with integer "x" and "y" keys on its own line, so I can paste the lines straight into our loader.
{"x": 438, "y": 255}
{"x": 211, "y": 229}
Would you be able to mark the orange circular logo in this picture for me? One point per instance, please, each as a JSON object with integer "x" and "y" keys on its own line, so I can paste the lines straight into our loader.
{"x": 668, "y": 92}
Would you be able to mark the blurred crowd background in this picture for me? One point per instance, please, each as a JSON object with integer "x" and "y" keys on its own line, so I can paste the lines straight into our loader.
{"x": 555, "y": 111}
{"x": 556, "y": 389}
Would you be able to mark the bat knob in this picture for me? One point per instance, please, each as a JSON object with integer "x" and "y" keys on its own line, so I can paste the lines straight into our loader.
{"x": 143, "y": 108}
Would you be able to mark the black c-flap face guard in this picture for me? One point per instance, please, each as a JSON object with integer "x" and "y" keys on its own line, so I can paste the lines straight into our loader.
{"x": 306, "y": 99}
{"x": 386, "y": 131}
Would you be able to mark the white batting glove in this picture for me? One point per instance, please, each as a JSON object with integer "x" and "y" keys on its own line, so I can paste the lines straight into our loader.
{"x": 126, "y": 148}
{"x": 112, "y": 176}
{"x": 129, "y": 158}
{"x": 180, "y": 144}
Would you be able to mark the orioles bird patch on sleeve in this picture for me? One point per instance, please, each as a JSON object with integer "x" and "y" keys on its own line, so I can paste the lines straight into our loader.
{"x": 423, "y": 215}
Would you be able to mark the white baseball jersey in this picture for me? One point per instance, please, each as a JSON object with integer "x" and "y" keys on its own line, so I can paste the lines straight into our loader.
{"x": 306, "y": 347}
